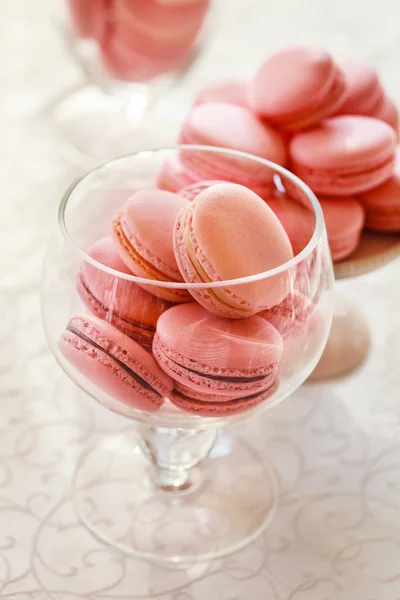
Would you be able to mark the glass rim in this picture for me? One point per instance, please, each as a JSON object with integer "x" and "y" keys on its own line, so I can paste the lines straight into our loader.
{"x": 311, "y": 245}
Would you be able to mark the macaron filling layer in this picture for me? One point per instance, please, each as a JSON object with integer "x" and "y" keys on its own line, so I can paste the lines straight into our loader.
{"x": 191, "y": 250}
{"x": 111, "y": 355}
{"x": 223, "y": 403}
{"x": 119, "y": 228}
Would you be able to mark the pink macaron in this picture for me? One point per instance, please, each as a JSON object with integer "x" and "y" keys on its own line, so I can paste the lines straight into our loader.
{"x": 297, "y": 88}
{"x": 290, "y": 317}
{"x": 230, "y": 92}
{"x": 119, "y": 301}
{"x": 143, "y": 233}
{"x": 297, "y": 220}
{"x": 228, "y": 232}
{"x": 344, "y": 155}
{"x": 382, "y": 204}
{"x": 115, "y": 363}
{"x": 344, "y": 220}
{"x": 215, "y": 361}
{"x": 175, "y": 175}
{"x": 365, "y": 94}
{"x": 234, "y": 127}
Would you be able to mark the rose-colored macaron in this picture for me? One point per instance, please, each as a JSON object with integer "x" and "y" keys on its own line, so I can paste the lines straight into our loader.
{"x": 191, "y": 191}
{"x": 230, "y": 92}
{"x": 216, "y": 362}
{"x": 143, "y": 233}
{"x": 236, "y": 128}
{"x": 297, "y": 87}
{"x": 365, "y": 94}
{"x": 90, "y": 19}
{"x": 115, "y": 363}
{"x": 382, "y": 204}
{"x": 344, "y": 155}
{"x": 119, "y": 301}
{"x": 297, "y": 220}
{"x": 175, "y": 175}
{"x": 228, "y": 232}
{"x": 344, "y": 220}
{"x": 291, "y": 316}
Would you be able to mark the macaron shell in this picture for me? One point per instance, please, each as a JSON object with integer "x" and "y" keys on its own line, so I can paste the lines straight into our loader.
{"x": 229, "y": 232}
{"x": 344, "y": 221}
{"x": 344, "y": 155}
{"x": 222, "y": 409}
{"x": 101, "y": 355}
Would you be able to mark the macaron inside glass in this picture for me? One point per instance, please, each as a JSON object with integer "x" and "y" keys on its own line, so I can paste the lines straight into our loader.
{"x": 344, "y": 155}
{"x": 227, "y": 233}
{"x": 143, "y": 234}
{"x": 297, "y": 220}
{"x": 116, "y": 300}
{"x": 291, "y": 317}
{"x": 297, "y": 87}
{"x": 215, "y": 362}
{"x": 114, "y": 363}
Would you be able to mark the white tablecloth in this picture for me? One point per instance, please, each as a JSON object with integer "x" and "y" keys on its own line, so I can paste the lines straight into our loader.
{"x": 335, "y": 446}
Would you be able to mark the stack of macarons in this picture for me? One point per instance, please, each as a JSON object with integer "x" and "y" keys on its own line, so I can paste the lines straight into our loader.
{"x": 140, "y": 39}
{"x": 329, "y": 122}
{"x": 210, "y": 351}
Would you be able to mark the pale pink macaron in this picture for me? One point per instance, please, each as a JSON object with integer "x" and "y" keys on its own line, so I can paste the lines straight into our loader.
{"x": 234, "y": 127}
{"x": 143, "y": 233}
{"x": 228, "y": 232}
{"x": 382, "y": 204}
{"x": 220, "y": 366}
{"x": 297, "y": 87}
{"x": 114, "y": 363}
{"x": 119, "y": 301}
{"x": 174, "y": 175}
{"x": 291, "y": 317}
{"x": 344, "y": 155}
{"x": 231, "y": 92}
{"x": 365, "y": 94}
{"x": 297, "y": 220}
{"x": 344, "y": 220}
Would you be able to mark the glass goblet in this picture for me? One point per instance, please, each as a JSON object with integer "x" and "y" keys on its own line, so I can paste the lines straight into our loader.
{"x": 180, "y": 486}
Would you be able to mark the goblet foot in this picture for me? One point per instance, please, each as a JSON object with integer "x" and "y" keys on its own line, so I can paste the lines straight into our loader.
{"x": 211, "y": 511}
{"x": 348, "y": 343}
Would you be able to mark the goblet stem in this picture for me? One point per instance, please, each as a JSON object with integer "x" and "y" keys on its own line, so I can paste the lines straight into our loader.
{"x": 173, "y": 452}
